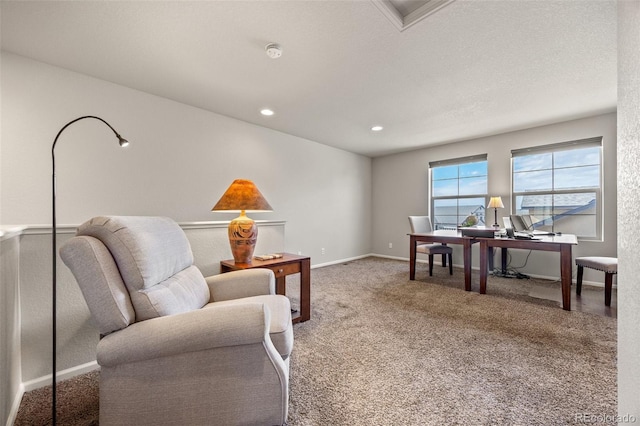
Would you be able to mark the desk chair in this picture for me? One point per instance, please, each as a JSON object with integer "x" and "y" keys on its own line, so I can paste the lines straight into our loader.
{"x": 421, "y": 225}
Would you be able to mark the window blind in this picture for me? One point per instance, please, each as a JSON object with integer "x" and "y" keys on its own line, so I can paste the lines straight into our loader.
{"x": 461, "y": 160}
{"x": 561, "y": 146}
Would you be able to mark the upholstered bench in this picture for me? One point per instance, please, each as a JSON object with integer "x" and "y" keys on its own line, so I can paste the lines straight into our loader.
{"x": 609, "y": 265}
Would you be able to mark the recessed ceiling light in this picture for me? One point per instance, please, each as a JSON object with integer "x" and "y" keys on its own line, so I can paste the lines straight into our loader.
{"x": 266, "y": 111}
{"x": 376, "y": 128}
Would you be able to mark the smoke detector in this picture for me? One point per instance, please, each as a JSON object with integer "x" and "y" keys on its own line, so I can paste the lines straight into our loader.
{"x": 274, "y": 51}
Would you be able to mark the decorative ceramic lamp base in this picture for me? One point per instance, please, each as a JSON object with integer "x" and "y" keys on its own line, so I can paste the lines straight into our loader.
{"x": 243, "y": 234}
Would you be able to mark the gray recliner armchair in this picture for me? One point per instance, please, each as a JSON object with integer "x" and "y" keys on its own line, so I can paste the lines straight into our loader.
{"x": 176, "y": 347}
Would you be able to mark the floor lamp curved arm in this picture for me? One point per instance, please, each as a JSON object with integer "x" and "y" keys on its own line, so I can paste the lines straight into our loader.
{"x": 123, "y": 142}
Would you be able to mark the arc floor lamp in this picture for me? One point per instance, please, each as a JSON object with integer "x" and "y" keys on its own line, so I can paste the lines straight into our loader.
{"x": 123, "y": 142}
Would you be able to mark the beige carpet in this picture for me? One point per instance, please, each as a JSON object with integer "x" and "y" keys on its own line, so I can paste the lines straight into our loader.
{"x": 383, "y": 350}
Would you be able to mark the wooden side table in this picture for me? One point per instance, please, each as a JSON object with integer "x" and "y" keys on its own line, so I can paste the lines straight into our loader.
{"x": 286, "y": 265}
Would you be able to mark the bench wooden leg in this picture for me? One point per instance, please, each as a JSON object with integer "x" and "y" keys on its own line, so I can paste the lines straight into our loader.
{"x": 579, "y": 280}
{"x": 608, "y": 283}
{"x": 450, "y": 264}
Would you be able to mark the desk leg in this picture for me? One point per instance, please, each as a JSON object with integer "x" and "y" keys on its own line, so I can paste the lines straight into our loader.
{"x": 503, "y": 260}
{"x": 484, "y": 248}
{"x": 412, "y": 258}
{"x": 490, "y": 257}
{"x": 305, "y": 290}
{"x": 565, "y": 274}
{"x": 467, "y": 263}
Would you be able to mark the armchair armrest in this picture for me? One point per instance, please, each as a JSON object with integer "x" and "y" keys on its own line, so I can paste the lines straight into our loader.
{"x": 198, "y": 330}
{"x": 239, "y": 284}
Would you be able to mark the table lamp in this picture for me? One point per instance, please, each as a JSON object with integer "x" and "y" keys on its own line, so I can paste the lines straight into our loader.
{"x": 242, "y": 196}
{"x": 495, "y": 203}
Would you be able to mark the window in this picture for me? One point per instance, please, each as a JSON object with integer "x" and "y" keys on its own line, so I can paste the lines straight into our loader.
{"x": 559, "y": 185}
{"x": 458, "y": 189}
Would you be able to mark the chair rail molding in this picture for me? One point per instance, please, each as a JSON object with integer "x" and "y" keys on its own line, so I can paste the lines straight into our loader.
{"x": 8, "y": 232}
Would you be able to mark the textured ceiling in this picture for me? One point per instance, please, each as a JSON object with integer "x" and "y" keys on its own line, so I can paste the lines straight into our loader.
{"x": 473, "y": 68}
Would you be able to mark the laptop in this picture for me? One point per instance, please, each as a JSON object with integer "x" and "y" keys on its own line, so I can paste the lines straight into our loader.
{"x": 518, "y": 224}
{"x": 528, "y": 222}
{"x": 523, "y": 227}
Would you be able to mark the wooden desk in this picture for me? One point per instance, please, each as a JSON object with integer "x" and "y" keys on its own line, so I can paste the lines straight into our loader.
{"x": 559, "y": 243}
{"x": 287, "y": 265}
{"x": 443, "y": 237}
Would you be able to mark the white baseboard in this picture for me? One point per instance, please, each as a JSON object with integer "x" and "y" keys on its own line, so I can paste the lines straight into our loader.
{"x": 476, "y": 268}
{"x": 45, "y": 381}
{"x": 394, "y": 257}
{"x": 335, "y": 262}
{"x": 62, "y": 375}
{"x": 15, "y": 406}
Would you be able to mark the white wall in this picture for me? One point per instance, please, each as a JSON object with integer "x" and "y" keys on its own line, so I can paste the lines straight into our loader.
{"x": 180, "y": 161}
{"x": 628, "y": 202}
{"x": 401, "y": 189}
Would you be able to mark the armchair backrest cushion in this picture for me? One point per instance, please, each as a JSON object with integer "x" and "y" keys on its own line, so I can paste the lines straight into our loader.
{"x": 155, "y": 262}
{"x": 102, "y": 287}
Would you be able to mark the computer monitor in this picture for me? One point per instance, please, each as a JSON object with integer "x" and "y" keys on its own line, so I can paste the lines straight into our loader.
{"x": 508, "y": 227}
{"x": 506, "y": 221}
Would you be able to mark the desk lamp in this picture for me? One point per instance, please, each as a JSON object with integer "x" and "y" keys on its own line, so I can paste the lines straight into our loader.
{"x": 495, "y": 203}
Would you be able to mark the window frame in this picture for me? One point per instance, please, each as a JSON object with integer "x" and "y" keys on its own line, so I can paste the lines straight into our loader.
{"x": 558, "y": 147}
{"x": 456, "y": 162}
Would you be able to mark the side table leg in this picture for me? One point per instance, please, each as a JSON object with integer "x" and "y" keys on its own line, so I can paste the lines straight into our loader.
{"x": 281, "y": 285}
{"x": 305, "y": 290}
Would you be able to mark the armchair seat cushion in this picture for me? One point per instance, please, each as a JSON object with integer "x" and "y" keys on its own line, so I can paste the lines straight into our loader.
{"x": 280, "y": 326}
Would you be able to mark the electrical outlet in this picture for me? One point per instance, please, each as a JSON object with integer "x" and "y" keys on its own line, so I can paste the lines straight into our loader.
{"x": 390, "y": 245}
{"x": 322, "y": 250}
